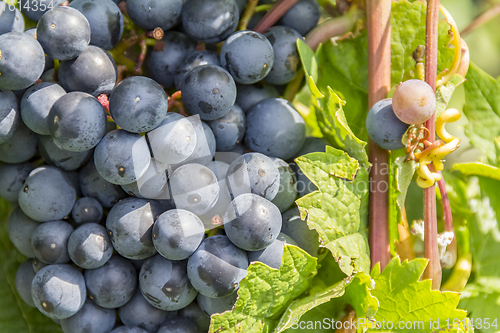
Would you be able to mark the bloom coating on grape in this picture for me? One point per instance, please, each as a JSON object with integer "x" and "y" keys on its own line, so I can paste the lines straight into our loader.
{"x": 414, "y": 102}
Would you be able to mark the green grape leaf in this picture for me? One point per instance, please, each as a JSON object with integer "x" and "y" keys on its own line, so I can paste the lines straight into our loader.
{"x": 477, "y": 169}
{"x": 266, "y": 292}
{"x": 482, "y": 108}
{"x": 483, "y": 304}
{"x": 403, "y": 298}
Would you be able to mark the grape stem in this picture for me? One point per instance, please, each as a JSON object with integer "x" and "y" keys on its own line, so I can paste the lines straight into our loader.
{"x": 274, "y": 14}
{"x": 249, "y": 11}
{"x": 379, "y": 83}
{"x": 483, "y": 18}
{"x": 431, "y": 250}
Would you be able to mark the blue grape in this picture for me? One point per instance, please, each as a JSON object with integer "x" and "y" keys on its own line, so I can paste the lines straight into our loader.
{"x": 217, "y": 267}
{"x": 287, "y": 192}
{"x": 230, "y": 129}
{"x": 87, "y": 210}
{"x": 194, "y": 188}
{"x": 34, "y": 9}
{"x": 63, "y": 32}
{"x": 177, "y": 233}
{"x": 12, "y": 178}
{"x": 255, "y": 19}
{"x": 113, "y": 284}
{"x": 195, "y": 314}
{"x": 50, "y": 242}
{"x": 210, "y": 21}
{"x": 312, "y": 145}
{"x": 211, "y": 305}
{"x": 122, "y": 157}
{"x": 36, "y": 103}
{"x": 59, "y": 291}
{"x": 94, "y": 186}
{"x": 20, "y": 147}
{"x": 130, "y": 224}
{"x": 275, "y": 128}
{"x": 93, "y": 72}
{"x": 38, "y": 265}
{"x": 230, "y": 155}
{"x": 90, "y": 319}
{"x": 125, "y": 329}
{"x": 153, "y": 184}
{"x": 49, "y": 62}
{"x": 9, "y": 114}
{"x": 77, "y": 121}
{"x": 24, "y": 278}
{"x": 105, "y": 20}
{"x": 150, "y": 14}
{"x": 294, "y": 227}
{"x": 251, "y": 94}
{"x": 209, "y": 91}
{"x": 302, "y": 16}
{"x": 22, "y": 62}
{"x": 161, "y": 65}
{"x": 213, "y": 218}
{"x": 11, "y": 19}
{"x": 193, "y": 60}
{"x": 272, "y": 255}
{"x": 253, "y": 173}
{"x": 20, "y": 230}
{"x": 165, "y": 284}
{"x": 248, "y": 56}
{"x": 286, "y": 56}
{"x": 89, "y": 246}
{"x": 179, "y": 325}
{"x": 304, "y": 184}
{"x": 383, "y": 127}
{"x": 61, "y": 158}
{"x": 47, "y": 194}
{"x": 139, "y": 313}
{"x": 138, "y": 104}
{"x": 251, "y": 222}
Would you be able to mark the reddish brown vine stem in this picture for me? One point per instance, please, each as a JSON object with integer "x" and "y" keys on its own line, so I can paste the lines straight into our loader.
{"x": 274, "y": 15}
{"x": 431, "y": 251}
{"x": 379, "y": 83}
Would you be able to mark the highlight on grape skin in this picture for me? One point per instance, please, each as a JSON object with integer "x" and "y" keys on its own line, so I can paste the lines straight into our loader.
{"x": 414, "y": 102}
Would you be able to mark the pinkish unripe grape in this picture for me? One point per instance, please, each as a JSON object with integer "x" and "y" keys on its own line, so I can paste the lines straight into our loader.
{"x": 414, "y": 102}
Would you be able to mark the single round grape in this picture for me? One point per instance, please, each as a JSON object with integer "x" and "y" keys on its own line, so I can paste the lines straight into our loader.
{"x": 63, "y": 32}
{"x": 11, "y": 18}
{"x": 47, "y": 194}
{"x": 89, "y": 246}
{"x": 125, "y": 329}
{"x": 210, "y": 21}
{"x": 34, "y": 9}
{"x": 230, "y": 129}
{"x": 38, "y": 265}
{"x": 275, "y": 128}
{"x": 272, "y": 255}
{"x": 138, "y": 104}
{"x": 248, "y": 56}
{"x": 211, "y": 305}
{"x": 50, "y": 242}
{"x": 12, "y": 178}
{"x": 94, "y": 186}
{"x": 251, "y": 222}
{"x": 286, "y": 56}
{"x": 22, "y": 62}
{"x": 414, "y": 102}
{"x": 93, "y": 72}
{"x": 253, "y": 173}
{"x": 178, "y": 325}
{"x": 64, "y": 159}
{"x": 24, "y": 278}
{"x": 20, "y": 230}
{"x": 287, "y": 192}
{"x": 194, "y": 188}
{"x": 151, "y": 14}
{"x": 21, "y": 146}
{"x": 113, "y": 284}
{"x": 383, "y": 127}
{"x": 139, "y": 313}
{"x": 195, "y": 314}
{"x": 59, "y": 291}
{"x": 36, "y": 103}
{"x": 105, "y": 20}
{"x": 122, "y": 157}
{"x": 214, "y": 217}
{"x": 77, "y": 121}
{"x": 9, "y": 114}
{"x": 161, "y": 64}
{"x": 165, "y": 285}
{"x": 193, "y": 60}
{"x": 217, "y": 267}
{"x": 255, "y": 19}
{"x": 90, "y": 318}
{"x": 208, "y": 91}
{"x": 251, "y": 94}
{"x": 302, "y": 16}
{"x": 130, "y": 225}
{"x": 87, "y": 210}
{"x": 296, "y": 228}
{"x": 177, "y": 233}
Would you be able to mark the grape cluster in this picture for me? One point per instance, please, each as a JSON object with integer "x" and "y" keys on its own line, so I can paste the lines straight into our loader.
{"x": 139, "y": 210}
